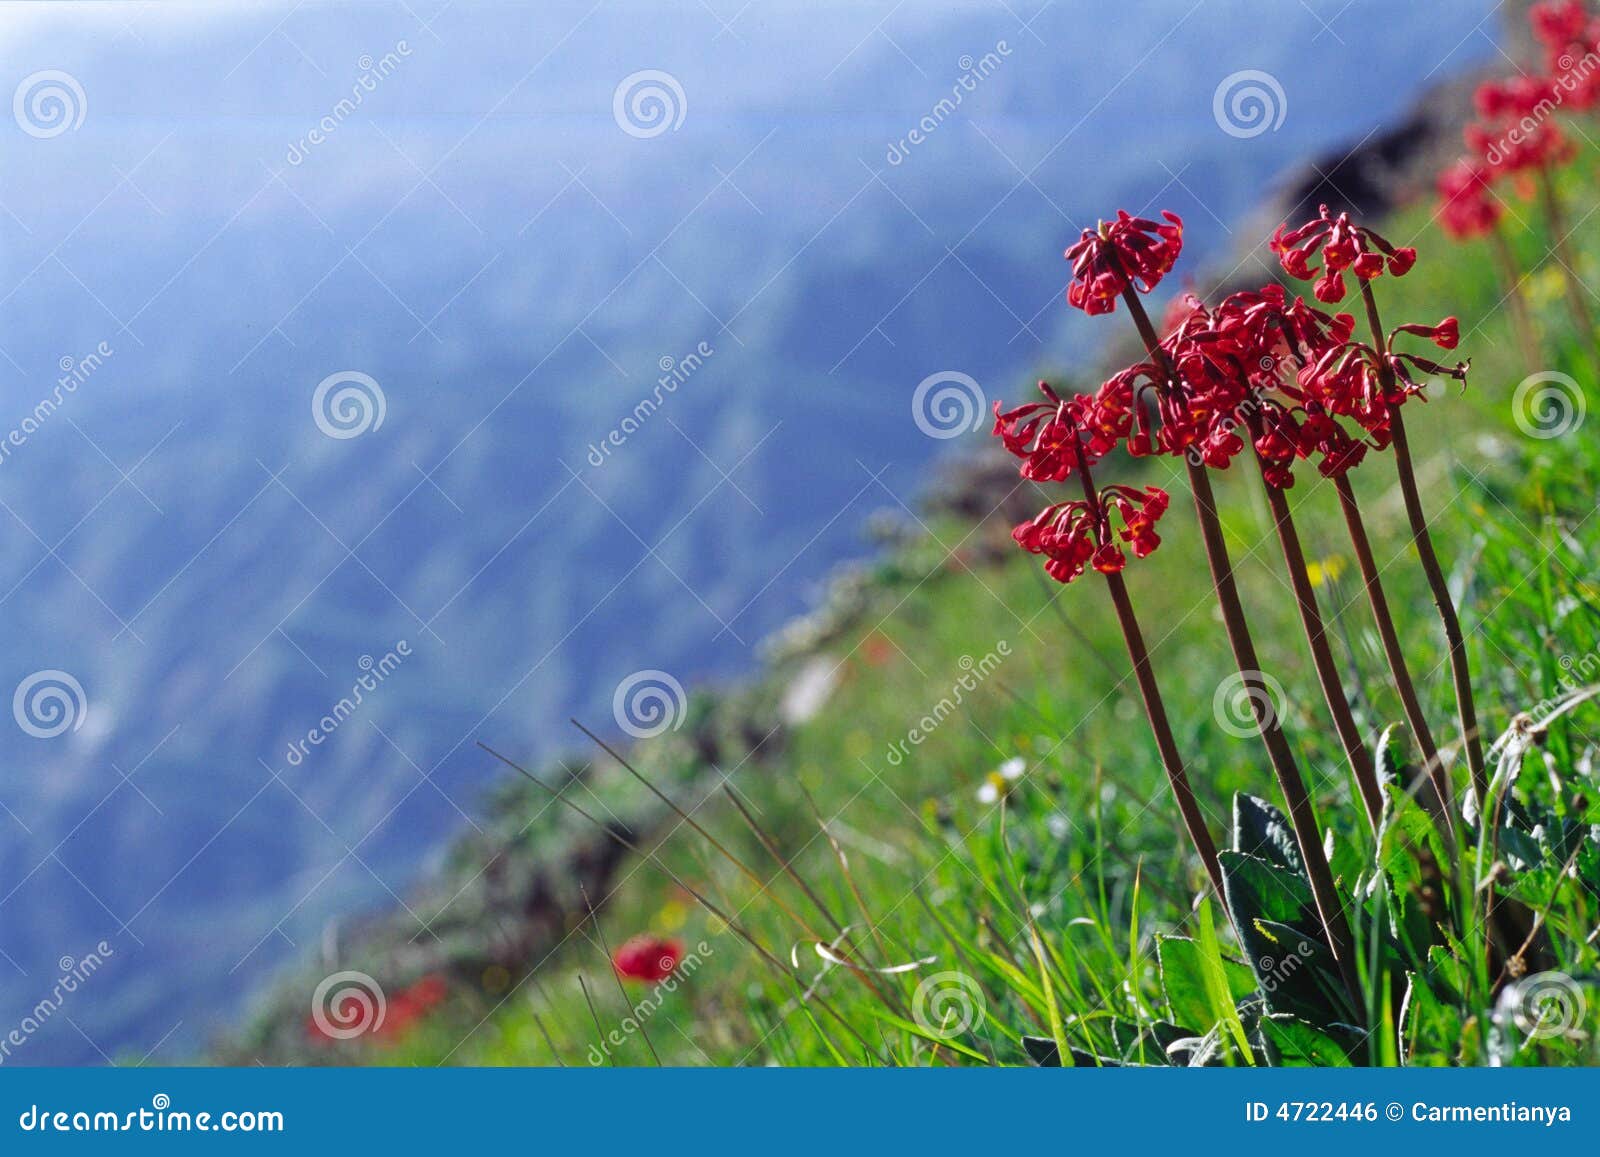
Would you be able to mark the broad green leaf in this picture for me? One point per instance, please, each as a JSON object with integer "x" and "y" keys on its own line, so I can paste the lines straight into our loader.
{"x": 1260, "y": 829}
{"x": 1298, "y": 1042}
{"x": 1181, "y": 978}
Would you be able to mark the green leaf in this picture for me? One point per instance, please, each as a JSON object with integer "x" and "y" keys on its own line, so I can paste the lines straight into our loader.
{"x": 1181, "y": 978}
{"x": 1392, "y": 765}
{"x": 1043, "y": 1051}
{"x": 1299, "y": 1043}
{"x": 1260, "y": 829}
{"x": 1274, "y": 913}
{"x": 1214, "y": 979}
{"x": 1430, "y": 1030}
{"x": 1412, "y": 854}
{"x": 1259, "y": 889}
{"x": 1052, "y": 1013}
{"x": 916, "y": 1029}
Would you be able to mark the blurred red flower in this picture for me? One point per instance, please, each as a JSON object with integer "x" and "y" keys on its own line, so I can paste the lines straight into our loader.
{"x": 1467, "y": 206}
{"x": 647, "y": 958}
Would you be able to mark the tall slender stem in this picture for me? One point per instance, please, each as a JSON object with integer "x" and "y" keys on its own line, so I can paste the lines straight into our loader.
{"x": 1516, "y": 303}
{"x": 1327, "y": 668}
{"x": 1302, "y": 817}
{"x": 1155, "y": 708}
{"x": 1556, "y": 221}
{"x": 1460, "y": 673}
{"x": 1438, "y": 797}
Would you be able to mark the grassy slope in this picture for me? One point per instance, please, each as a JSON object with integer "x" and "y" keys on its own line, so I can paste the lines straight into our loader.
{"x": 1090, "y": 849}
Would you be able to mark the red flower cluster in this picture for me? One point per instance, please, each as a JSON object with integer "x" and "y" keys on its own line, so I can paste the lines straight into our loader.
{"x": 1516, "y": 131}
{"x": 1347, "y": 379}
{"x": 1569, "y": 33}
{"x": 1073, "y": 535}
{"x": 1467, "y": 205}
{"x": 647, "y": 958}
{"x": 1130, "y": 251}
{"x": 1262, "y": 370}
{"x": 1062, "y": 437}
{"x": 1343, "y": 245}
{"x": 1047, "y": 436}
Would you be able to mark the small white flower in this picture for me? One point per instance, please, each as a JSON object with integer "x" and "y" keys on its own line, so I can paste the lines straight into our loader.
{"x": 1060, "y": 826}
{"x": 997, "y": 783}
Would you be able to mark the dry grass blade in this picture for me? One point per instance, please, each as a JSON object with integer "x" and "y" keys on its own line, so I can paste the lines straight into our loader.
{"x": 760, "y": 949}
{"x": 594, "y": 916}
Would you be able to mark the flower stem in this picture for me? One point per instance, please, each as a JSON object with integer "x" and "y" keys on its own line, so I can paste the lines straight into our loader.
{"x": 1460, "y": 673}
{"x": 1327, "y": 669}
{"x": 1155, "y": 709}
{"x": 1516, "y": 303}
{"x": 1302, "y": 818}
{"x": 1556, "y": 221}
{"x": 1436, "y": 800}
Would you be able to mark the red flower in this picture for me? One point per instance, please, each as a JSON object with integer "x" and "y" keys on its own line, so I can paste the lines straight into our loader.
{"x": 1078, "y": 534}
{"x": 1568, "y": 31}
{"x": 1518, "y": 131}
{"x": 1046, "y": 435}
{"x": 1467, "y": 206}
{"x": 1558, "y": 24}
{"x": 1130, "y": 251}
{"x": 647, "y": 958}
{"x": 1343, "y": 246}
{"x": 1346, "y": 380}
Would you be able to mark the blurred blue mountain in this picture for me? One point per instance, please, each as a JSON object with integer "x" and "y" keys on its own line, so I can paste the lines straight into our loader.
{"x": 444, "y": 197}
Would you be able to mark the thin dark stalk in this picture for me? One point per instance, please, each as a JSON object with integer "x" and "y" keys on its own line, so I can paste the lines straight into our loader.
{"x": 1511, "y": 282}
{"x": 1556, "y": 221}
{"x": 1460, "y": 673}
{"x": 538, "y": 1022}
{"x": 1322, "y": 660}
{"x": 1156, "y": 713}
{"x": 844, "y": 868}
{"x": 1302, "y": 817}
{"x": 763, "y": 886}
{"x": 1436, "y": 800}
{"x": 760, "y": 949}
{"x": 600, "y": 1033}
{"x": 594, "y": 916}
{"x": 787, "y": 865}
{"x": 1155, "y": 708}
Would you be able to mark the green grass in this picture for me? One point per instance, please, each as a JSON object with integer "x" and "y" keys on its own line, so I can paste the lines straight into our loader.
{"x": 1053, "y": 916}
